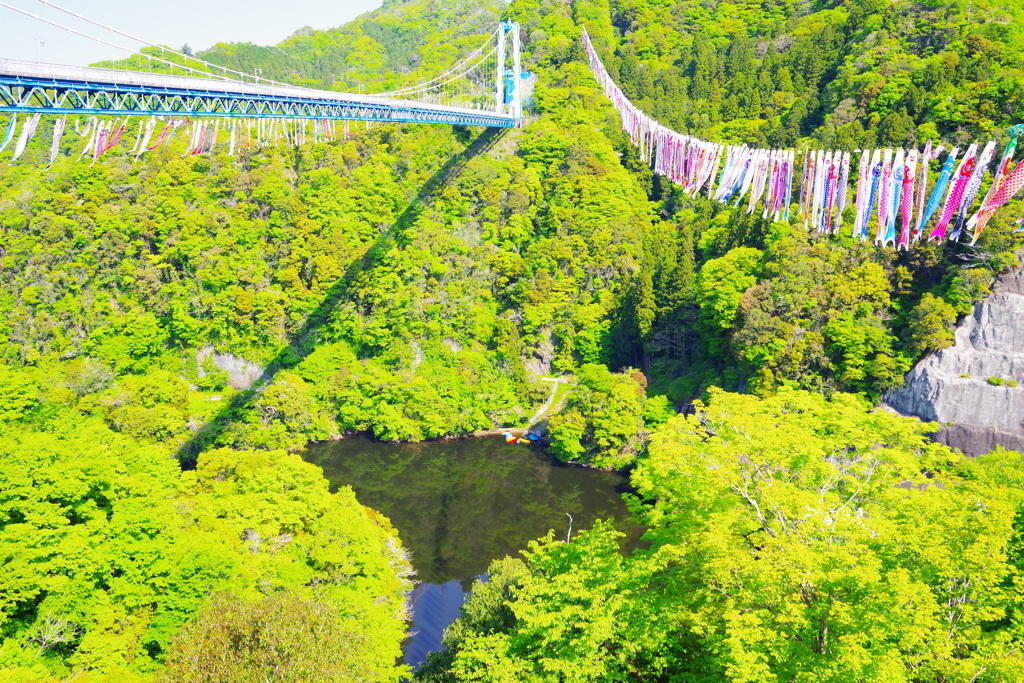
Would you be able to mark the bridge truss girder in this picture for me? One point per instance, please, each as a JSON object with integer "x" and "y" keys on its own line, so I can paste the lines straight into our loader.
{"x": 20, "y": 94}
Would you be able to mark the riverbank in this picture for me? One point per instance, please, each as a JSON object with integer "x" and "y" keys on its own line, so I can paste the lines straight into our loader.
{"x": 458, "y": 504}
{"x": 560, "y": 388}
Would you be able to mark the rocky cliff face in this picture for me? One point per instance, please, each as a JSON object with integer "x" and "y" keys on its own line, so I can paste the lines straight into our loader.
{"x": 959, "y": 387}
{"x": 242, "y": 374}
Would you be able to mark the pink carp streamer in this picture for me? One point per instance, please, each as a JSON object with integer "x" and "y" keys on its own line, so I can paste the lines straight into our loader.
{"x": 895, "y": 182}
{"x": 164, "y": 136}
{"x": 989, "y": 205}
{"x": 907, "y": 200}
{"x": 1009, "y": 187}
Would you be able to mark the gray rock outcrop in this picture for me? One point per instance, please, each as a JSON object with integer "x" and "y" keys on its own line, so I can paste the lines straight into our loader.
{"x": 242, "y": 374}
{"x": 952, "y": 386}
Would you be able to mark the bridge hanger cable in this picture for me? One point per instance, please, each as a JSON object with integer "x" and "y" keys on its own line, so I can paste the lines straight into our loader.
{"x": 105, "y": 42}
{"x": 425, "y": 87}
{"x": 212, "y": 70}
{"x": 472, "y": 55}
{"x": 465, "y": 60}
{"x": 417, "y": 90}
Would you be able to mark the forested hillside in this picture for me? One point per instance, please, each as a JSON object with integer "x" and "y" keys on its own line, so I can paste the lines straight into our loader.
{"x": 109, "y": 549}
{"x": 359, "y": 268}
{"x": 414, "y": 282}
{"x": 399, "y": 279}
{"x": 400, "y": 44}
{"x": 847, "y": 75}
{"x": 760, "y": 305}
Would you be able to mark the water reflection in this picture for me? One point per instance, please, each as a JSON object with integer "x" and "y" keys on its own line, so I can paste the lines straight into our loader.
{"x": 433, "y": 608}
{"x": 460, "y": 504}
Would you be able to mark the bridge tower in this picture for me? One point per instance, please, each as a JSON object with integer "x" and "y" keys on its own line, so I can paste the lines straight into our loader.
{"x": 509, "y": 83}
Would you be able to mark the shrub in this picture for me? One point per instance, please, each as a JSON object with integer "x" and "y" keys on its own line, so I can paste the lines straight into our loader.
{"x": 277, "y": 638}
{"x": 931, "y": 324}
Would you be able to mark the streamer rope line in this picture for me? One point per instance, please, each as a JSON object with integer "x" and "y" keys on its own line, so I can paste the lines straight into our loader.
{"x": 892, "y": 182}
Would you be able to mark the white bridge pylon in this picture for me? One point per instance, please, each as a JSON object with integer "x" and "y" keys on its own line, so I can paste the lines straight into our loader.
{"x": 509, "y": 93}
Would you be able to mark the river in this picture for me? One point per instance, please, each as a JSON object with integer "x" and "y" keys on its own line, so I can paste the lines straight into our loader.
{"x": 462, "y": 503}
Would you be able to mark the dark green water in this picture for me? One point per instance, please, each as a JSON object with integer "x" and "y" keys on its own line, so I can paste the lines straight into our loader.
{"x": 460, "y": 504}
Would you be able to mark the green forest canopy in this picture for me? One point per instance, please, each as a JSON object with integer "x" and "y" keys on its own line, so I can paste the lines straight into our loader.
{"x": 792, "y": 538}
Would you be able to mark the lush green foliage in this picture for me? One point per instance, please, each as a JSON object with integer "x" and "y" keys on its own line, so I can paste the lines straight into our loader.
{"x": 109, "y": 548}
{"x": 792, "y": 538}
{"x": 278, "y": 638}
{"x": 602, "y": 419}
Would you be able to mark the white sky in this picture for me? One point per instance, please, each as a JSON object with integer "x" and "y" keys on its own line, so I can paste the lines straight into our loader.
{"x": 200, "y": 23}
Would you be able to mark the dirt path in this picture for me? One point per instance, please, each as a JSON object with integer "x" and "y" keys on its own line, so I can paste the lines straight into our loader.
{"x": 555, "y": 381}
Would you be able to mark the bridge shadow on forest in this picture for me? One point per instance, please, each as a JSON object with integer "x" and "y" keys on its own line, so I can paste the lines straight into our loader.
{"x": 304, "y": 340}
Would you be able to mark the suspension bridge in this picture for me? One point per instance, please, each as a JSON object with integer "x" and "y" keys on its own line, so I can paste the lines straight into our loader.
{"x": 483, "y": 89}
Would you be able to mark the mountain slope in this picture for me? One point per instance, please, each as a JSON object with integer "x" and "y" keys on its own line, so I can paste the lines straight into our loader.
{"x": 428, "y": 253}
{"x": 401, "y": 43}
{"x": 850, "y": 74}
{"x": 823, "y": 313}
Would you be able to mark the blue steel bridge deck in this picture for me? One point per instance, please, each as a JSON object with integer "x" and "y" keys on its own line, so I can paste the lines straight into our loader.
{"x": 30, "y": 87}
